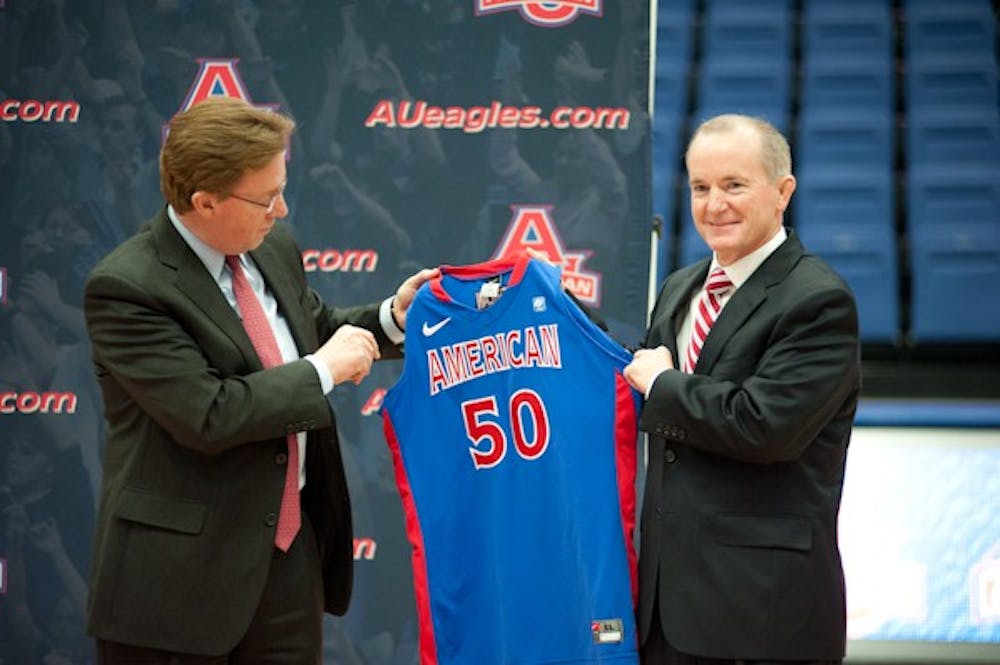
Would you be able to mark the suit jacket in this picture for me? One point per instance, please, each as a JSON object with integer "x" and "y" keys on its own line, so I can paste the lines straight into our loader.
{"x": 195, "y": 452}
{"x": 746, "y": 466}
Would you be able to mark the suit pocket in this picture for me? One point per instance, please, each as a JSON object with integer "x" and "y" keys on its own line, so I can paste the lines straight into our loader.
{"x": 791, "y": 533}
{"x": 165, "y": 512}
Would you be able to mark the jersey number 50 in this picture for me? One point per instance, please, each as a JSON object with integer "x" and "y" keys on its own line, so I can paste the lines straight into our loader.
{"x": 483, "y": 426}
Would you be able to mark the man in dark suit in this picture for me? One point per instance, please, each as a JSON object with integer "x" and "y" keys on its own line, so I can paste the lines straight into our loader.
{"x": 748, "y": 429}
{"x": 201, "y": 429}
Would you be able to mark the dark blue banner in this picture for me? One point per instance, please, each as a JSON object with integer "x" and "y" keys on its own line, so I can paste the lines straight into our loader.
{"x": 434, "y": 132}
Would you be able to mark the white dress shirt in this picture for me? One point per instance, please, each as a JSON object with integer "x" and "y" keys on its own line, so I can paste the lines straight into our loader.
{"x": 215, "y": 263}
{"x": 738, "y": 272}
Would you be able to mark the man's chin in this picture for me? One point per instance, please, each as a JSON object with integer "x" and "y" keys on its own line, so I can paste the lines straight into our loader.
{"x": 723, "y": 248}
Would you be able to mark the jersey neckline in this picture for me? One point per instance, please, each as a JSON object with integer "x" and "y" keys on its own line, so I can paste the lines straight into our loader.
{"x": 516, "y": 265}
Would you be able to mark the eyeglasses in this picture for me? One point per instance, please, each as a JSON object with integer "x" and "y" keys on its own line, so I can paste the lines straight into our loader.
{"x": 269, "y": 206}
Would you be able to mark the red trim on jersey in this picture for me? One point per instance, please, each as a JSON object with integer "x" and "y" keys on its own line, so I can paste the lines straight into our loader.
{"x": 516, "y": 266}
{"x": 428, "y": 644}
{"x": 520, "y": 266}
{"x": 625, "y": 454}
{"x": 438, "y": 290}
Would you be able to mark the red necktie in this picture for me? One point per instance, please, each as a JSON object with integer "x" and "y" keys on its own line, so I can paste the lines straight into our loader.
{"x": 260, "y": 333}
{"x": 709, "y": 305}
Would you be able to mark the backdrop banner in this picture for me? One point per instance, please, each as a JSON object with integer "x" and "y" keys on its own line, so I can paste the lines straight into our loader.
{"x": 428, "y": 132}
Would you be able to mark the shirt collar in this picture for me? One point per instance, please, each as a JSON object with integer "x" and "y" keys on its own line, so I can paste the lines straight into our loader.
{"x": 740, "y": 271}
{"x": 213, "y": 259}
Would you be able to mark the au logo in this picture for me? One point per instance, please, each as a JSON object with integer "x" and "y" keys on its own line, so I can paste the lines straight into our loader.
{"x": 550, "y": 14}
{"x": 532, "y": 226}
{"x": 218, "y": 77}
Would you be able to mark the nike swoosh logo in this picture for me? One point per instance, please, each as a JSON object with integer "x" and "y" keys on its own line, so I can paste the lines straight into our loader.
{"x": 430, "y": 330}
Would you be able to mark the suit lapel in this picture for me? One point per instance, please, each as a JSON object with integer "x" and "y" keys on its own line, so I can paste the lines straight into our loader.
{"x": 674, "y": 304}
{"x": 282, "y": 286}
{"x": 746, "y": 300}
{"x": 193, "y": 280}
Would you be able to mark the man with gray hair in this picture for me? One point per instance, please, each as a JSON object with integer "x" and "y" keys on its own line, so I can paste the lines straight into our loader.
{"x": 751, "y": 375}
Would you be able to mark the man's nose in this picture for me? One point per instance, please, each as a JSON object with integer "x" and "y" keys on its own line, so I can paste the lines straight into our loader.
{"x": 280, "y": 207}
{"x": 716, "y": 200}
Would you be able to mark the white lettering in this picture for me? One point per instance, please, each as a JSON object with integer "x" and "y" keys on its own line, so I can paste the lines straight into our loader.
{"x": 534, "y": 346}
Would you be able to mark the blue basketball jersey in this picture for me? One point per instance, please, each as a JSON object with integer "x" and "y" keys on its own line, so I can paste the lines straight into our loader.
{"x": 513, "y": 435}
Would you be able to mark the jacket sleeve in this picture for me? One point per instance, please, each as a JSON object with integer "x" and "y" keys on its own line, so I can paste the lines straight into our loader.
{"x": 163, "y": 355}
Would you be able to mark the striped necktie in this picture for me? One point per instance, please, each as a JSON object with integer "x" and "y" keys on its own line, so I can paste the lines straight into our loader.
{"x": 709, "y": 306}
{"x": 264, "y": 343}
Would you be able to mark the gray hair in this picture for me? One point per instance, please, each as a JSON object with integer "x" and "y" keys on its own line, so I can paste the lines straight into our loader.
{"x": 775, "y": 154}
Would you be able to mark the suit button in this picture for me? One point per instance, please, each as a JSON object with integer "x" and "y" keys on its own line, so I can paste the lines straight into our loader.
{"x": 271, "y": 519}
{"x": 670, "y": 456}
{"x": 281, "y": 458}
{"x": 290, "y": 429}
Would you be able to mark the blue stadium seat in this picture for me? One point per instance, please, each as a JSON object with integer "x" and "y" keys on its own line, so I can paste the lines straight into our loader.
{"x": 863, "y": 28}
{"x": 763, "y": 5}
{"x": 961, "y": 81}
{"x": 674, "y": 34}
{"x": 955, "y": 270}
{"x": 948, "y": 28}
{"x": 848, "y": 5}
{"x": 841, "y": 197}
{"x": 947, "y": 195}
{"x": 745, "y": 86}
{"x": 666, "y": 153}
{"x": 833, "y": 138}
{"x": 850, "y": 83}
{"x": 665, "y": 251}
{"x": 761, "y": 32}
{"x": 666, "y": 160}
{"x": 847, "y": 216}
{"x": 908, "y": 5}
{"x": 865, "y": 255}
{"x": 670, "y": 89}
{"x": 954, "y": 136}
{"x": 690, "y": 245}
{"x": 668, "y": 5}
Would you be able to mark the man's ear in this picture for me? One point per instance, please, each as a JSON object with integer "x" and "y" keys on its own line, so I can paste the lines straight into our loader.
{"x": 204, "y": 203}
{"x": 786, "y": 186}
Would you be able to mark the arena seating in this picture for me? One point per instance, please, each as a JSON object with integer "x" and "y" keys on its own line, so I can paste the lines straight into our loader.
{"x": 746, "y": 60}
{"x": 674, "y": 39}
{"x": 862, "y": 28}
{"x": 842, "y": 216}
{"x": 952, "y": 149}
{"x": 892, "y": 110}
{"x": 844, "y": 207}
